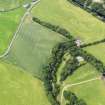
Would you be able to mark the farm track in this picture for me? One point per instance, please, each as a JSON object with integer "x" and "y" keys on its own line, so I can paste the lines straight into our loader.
{"x": 19, "y": 28}
{"x": 75, "y": 84}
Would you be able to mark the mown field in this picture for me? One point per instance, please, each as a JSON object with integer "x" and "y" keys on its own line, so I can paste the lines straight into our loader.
{"x": 9, "y": 22}
{"x": 80, "y": 23}
{"x": 19, "y": 88}
{"x": 32, "y": 47}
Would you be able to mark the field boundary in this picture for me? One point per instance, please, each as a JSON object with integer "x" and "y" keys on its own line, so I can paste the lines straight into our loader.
{"x": 75, "y": 84}
{"x": 11, "y": 9}
{"x": 18, "y": 29}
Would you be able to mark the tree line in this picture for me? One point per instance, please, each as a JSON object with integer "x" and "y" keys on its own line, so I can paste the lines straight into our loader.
{"x": 49, "y": 73}
{"x": 54, "y": 28}
{"x": 97, "y": 9}
{"x": 70, "y": 68}
{"x": 93, "y": 43}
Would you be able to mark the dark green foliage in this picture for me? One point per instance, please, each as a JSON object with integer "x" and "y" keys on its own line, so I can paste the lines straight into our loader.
{"x": 97, "y": 9}
{"x": 80, "y": 2}
{"x": 52, "y": 89}
{"x": 81, "y": 102}
{"x": 72, "y": 99}
{"x": 69, "y": 70}
{"x": 55, "y": 28}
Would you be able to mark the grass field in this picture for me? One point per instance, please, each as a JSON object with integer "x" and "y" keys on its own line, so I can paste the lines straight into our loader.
{"x": 32, "y": 48}
{"x": 9, "y": 22}
{"x": 92, "y": 92}
{"x": 98, "y": 51}
{"x": 20, "y": 88}
{"x": 83, "y": 73}
{"x": 80, "y": 23}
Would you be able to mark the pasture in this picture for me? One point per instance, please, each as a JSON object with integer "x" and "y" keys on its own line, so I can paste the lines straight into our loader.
{"x": 19, "y": 88}
{"x": 92, "y": 92}
{"x": 80, "y": 23}
{"x": 98, "y": 51}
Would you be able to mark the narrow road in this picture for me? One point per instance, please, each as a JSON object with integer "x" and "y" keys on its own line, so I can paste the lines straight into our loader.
{"x": 75, "y": 84}
{"x": 19, "y": 28}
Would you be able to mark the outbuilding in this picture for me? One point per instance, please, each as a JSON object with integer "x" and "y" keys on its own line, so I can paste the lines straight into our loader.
{"x": 80, "y": 59}
{"x": 78, "y": 42}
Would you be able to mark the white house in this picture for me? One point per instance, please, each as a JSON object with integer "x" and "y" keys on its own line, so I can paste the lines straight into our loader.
{"x": 78, "y": 42}
{"x": 80, "y": 59}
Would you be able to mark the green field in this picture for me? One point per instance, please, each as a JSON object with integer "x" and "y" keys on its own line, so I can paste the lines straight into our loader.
{"x": 20, "y": 88}
{"x": 83, "y": 73}
{"x": 9, "y": 22}
{"x": 80, "y": 23}
{"x": 92, "y": 92}
{"x": 98, "y": 51}
{"x": 32, "y": 47}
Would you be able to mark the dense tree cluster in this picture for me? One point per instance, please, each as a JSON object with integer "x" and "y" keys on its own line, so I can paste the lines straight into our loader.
{"x": 96, "y": 8}
{"x": 99, "y": 9}
{"x": 52, "y": 89}
{"x": 72, "y": 99}
{"x": 70, "y": 68}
